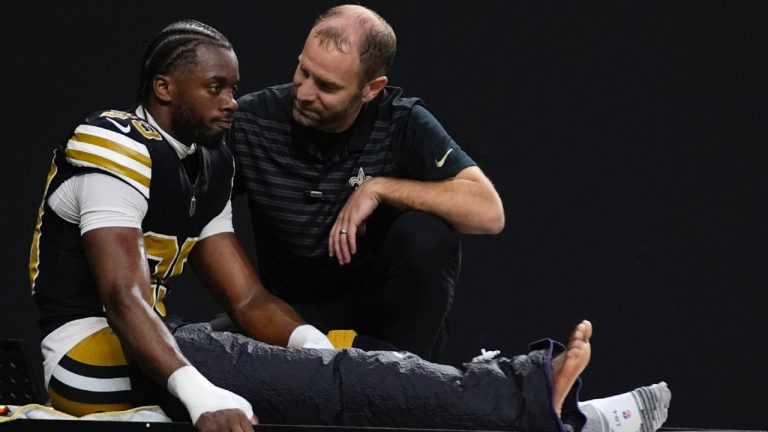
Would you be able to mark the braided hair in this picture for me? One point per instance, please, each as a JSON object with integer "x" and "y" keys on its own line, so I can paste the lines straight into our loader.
{"x": 175, "y": 48}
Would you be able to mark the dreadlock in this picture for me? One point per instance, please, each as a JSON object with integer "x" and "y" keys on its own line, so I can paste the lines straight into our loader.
{"x": 175, "y": 48}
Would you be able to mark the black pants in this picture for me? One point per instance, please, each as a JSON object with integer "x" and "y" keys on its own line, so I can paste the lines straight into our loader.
{"x": 404, "y": 301}
{"x": 382, "y": 388}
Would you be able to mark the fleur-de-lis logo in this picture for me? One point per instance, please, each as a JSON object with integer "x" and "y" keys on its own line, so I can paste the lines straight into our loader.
{"x": 361, "y": 178}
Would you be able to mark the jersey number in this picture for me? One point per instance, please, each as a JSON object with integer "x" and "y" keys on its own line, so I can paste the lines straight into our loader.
{"x": 166, "y": 259}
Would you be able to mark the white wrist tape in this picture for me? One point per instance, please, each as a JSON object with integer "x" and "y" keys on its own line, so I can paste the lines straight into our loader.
{"x": 307, "y": 336}
{"x": 200, "y": 396}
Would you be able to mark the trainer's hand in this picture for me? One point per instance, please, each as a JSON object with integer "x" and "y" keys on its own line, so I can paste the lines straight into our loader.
{"x": 225, "y": 420}
{"x": 342, "y": 240}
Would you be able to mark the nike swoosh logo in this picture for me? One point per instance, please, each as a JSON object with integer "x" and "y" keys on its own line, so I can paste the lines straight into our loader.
{"x": 124, "y": 129}
{"x": 441, "y": 162}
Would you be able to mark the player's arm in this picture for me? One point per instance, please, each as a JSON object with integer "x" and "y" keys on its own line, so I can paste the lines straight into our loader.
{"x": 109, "y": 213}
{"x": 118, "y": 263}
{"x": 224, "y": 268}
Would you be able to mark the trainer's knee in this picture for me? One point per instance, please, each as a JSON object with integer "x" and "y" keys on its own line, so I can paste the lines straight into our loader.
{"x": 417, "y": 233}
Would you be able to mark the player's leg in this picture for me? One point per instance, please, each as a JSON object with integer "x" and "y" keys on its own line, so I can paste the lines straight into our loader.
{"x": 380, "y": 388}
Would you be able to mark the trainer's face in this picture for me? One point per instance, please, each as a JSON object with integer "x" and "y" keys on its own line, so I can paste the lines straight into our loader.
{"x": 327, "y": 90}
{"x": 204, "y": 96}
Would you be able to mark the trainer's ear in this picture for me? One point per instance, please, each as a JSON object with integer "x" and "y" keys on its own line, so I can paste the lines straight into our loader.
{"x": 373, "y": 87}
{"x": 161, "y": 86}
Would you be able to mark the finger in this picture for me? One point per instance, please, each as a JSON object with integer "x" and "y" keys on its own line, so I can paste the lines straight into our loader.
{"x": 331, "y": 240}
{"x": 227, "y": 419}
{"x": 352, "y": 240}
{"x": 254, "y": 420}
{"x": 247, "y": 423}
{"x": 349, "y": 239}
{"x": 344, "y": 236}
{"x": 335, "y": 241}
{"x": 244, "y": 422}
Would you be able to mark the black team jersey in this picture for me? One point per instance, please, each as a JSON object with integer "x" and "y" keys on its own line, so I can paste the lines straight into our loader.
{"x": 127, "y": 147}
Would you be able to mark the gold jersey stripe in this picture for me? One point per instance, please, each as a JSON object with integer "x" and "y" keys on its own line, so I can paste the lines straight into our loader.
{"x": 113, "y": 146}
{"x": 34, "y": 255}
{"x": 80, "y": 409}
{"x": 102, "y": 348}
{"x": 109, "y": 165}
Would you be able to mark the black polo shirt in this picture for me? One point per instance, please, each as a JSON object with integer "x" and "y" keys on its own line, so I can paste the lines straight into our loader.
{"x": 297, "y": 179}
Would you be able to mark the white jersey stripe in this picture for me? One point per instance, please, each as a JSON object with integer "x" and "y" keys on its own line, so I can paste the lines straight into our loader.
{"x": 140, "y": 187}
{"x": 111, "y": 155}
{"x": 113, "y": 136}
{"x": 91, "y": 384}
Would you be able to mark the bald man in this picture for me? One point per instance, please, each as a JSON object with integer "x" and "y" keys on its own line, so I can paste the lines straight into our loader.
{"x": 357, "y": 194}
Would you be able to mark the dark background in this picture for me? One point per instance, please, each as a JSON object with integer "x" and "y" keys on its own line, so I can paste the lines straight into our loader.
{"x": 627, "y": 140}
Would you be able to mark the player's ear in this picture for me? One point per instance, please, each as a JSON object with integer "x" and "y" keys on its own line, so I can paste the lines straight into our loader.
{"x": 373, "y": 87}
{"x": 161, "y": 86}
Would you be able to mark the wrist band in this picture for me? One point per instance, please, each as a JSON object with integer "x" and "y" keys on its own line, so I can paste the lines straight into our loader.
{"x": 200, "y": 396}
{"x": 307, "y": 336}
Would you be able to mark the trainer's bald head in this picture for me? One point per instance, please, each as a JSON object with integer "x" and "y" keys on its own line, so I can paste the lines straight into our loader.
{"x": 348, "y": 27}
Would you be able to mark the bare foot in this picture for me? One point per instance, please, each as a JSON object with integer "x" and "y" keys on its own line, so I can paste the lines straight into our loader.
{"x": 569, "y": 365}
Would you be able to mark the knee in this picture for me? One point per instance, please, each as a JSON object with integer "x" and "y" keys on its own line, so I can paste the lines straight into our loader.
{"x": 422, "y": 237}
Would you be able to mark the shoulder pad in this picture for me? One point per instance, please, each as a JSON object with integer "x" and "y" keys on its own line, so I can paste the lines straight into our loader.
{"x": 115, "y": 142}
{"x": 127, "y": 124}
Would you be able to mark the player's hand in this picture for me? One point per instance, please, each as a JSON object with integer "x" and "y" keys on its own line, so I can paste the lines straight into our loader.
{"x": 350, "y": 222}
{"x": 233, "y": 420}
{"x": 210, "y": 408}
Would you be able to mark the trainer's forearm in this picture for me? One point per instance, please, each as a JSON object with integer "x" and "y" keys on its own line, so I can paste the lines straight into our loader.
{"x": 468, "y": 205}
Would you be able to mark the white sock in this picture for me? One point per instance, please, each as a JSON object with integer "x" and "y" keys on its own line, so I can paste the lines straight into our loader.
{"x": 644, "y": 409}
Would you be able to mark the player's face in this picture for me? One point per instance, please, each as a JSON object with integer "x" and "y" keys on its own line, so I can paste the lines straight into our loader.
{"x": 204, "y": 99}
{"x": 327, "y": 90}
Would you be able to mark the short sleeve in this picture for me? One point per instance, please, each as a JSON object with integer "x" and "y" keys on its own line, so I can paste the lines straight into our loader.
{"x": 97, "y": 200}
{"x": 219, "y": 224}
{"x": 427, "y": 150}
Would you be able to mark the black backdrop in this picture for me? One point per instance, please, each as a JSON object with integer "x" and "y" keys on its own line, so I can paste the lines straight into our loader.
{"x": 626, "y": 138}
